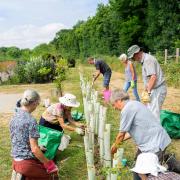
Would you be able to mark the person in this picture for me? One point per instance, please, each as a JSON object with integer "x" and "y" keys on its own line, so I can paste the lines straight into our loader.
{"x": 102, "y": 68}
{"x": 153, "y": 78}
{"x": 28, "y": 159}
{"x": 130, "y": 76}
{"x": 138, "y": 122}
{"x": 55, "y": 115}
{"x": 148, "y": 168}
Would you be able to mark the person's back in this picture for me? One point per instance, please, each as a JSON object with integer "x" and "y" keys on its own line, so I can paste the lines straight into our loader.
{"x": 102, "y": 66}
{"x": 22, "y": 126}
{"x": 142, "y": 125}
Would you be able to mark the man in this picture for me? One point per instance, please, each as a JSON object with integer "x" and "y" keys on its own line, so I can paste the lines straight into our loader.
{"x": 102, "y": 68}
{"x": 153, "y": 78}
{"x": 138, "y": 122}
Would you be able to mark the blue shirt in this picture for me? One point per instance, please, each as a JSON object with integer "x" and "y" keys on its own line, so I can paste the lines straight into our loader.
{"x": 143, "y": 127}
{"x": 102, "y": 67}
{"x": 22, "y": 127}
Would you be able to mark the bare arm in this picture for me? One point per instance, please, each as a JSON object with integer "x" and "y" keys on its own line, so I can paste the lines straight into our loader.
{"x": 36, "y": 151}
{"x": 97, "y": 74}
{"x": 132, "y": 71}
{"x": 74, "y": 123}
{"x": 122, "y": 136}
{"x": 65, "y": 126}
{"x": 151, "y": 83}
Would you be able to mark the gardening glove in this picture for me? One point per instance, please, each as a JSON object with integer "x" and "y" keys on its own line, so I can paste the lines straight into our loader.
{"x": 79, "y": 131}
{"x": 132, "y": 84}
{"x": 50, "y": 167}
{"x": 145, "y": 97}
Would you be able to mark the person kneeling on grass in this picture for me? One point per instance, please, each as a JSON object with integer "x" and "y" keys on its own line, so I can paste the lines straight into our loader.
{"x": 148, "y": 168}
{"x": 55, "y": 117}
{"x": 138, "y": 122}
{"x": 28, "y": 159}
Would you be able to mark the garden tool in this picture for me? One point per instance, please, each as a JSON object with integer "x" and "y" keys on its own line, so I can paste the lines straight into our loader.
{"x": 145, "y": 97}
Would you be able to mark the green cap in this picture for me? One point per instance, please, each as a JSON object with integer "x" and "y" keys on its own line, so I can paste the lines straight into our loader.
{"x": 132, "y": 50}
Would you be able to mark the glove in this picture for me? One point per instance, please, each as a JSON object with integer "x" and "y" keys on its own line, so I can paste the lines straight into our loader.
{"x": 145, "y": 97}
{"x": 132, "y": 84}
{"x": 79, "y": 131}
{"x": 50, "y": 167}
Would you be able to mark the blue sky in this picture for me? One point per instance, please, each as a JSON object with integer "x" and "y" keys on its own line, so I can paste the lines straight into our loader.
{"x": 27, "y": 23}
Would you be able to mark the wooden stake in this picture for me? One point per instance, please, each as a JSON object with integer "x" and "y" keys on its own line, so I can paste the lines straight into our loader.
{"x": 177, "y": 55}
{"x": 165, "y": 56}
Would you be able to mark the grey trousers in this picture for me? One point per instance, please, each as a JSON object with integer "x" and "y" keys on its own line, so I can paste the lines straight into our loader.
{"x": 157, "y": 97}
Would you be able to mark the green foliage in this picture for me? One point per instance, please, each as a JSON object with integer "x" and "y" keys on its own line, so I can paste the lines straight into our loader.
{"x": 36, "y": 70}
{"x": 61, "y": 70}
{"x": 44, "y": 71}
{"x": 172, "y": 73}
{"x": 116, "y": 26}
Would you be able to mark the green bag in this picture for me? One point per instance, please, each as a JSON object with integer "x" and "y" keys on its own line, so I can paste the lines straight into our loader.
{"x": 171, "y": 122}
{"x": 50, "y": 139}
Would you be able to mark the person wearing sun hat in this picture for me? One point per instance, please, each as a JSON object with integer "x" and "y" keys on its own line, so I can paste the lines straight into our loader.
{"x": 55, "y": 115}
{"x": 153, "y": 77}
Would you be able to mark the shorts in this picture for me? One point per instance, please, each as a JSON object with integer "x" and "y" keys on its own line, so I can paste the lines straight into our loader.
{"x": 107, "y": 77}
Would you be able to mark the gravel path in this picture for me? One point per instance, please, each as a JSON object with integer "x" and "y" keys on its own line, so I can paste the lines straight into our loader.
{"x": 8, "y": 102}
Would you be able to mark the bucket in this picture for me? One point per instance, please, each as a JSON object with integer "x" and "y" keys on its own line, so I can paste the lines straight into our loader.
{"x": 107, "y": 95}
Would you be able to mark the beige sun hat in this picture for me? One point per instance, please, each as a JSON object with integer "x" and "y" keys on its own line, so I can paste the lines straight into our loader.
{"x": 69, "y": 100}
{"x": 148, "y": 163}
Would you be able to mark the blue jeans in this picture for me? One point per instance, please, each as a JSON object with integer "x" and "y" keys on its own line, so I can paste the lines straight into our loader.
{"x": 107, "y": 77}
{"x": 127, "y": 85}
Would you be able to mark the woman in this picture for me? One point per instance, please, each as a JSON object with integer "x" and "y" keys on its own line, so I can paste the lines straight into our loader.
{"x": 55, "y": 115}
{"x": 130, "y": 76}
{"x": 28, "y": 159}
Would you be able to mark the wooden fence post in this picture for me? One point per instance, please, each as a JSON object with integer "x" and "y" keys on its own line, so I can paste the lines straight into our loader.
{"x": 165, "y": 56}
{"x": 177, "y": 55}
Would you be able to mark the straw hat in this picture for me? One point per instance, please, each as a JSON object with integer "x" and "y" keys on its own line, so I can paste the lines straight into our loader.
{"x": 148, "y": 163}
{"x": 69, "y": 100}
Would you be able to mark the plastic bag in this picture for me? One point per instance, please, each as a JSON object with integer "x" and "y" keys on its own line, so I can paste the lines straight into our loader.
{"x": 77, "y": 116}
{"x": 49, "y": 139}
{"x": 64, "y": 142}
{"x": 171, "y": 122}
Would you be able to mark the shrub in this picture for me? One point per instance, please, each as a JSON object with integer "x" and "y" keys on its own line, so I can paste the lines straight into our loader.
{"x": 36, "y": 70}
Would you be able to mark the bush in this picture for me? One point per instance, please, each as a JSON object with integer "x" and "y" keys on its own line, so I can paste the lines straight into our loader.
{"x": 36, "y": 70}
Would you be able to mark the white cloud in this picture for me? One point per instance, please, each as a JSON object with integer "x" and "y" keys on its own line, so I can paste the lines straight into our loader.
{"x": 28, "y": 36}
